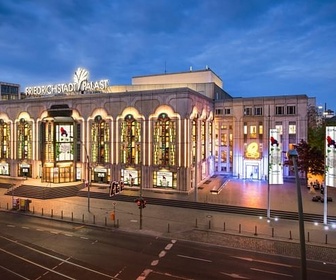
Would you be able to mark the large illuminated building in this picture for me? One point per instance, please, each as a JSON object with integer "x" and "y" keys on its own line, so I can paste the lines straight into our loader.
{"x": 155, "y": 132}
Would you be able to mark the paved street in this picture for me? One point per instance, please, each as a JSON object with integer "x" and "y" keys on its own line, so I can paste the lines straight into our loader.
{"x": 203, "y": 226}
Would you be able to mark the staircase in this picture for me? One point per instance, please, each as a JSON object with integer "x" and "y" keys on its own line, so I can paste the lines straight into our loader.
{"x": 45, "y": 192}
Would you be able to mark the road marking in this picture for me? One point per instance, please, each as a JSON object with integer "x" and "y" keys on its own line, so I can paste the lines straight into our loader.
{"x": 162, "y": 254}
{"x": 271, "y": 272}
{"x": 57, "y": 258}
{"x": 39, "y": 229}
{"x": 261, "y": 261}
{"x": 54, "y": 232}
{"x": 83, "y": 237}
{"x": 11, "y": 271}
{"x": 67, "y": 234}
{"x": 36, "y": 264}
{"x": 193, "y": 258}
{"x": 154, "y": 263}
{"x": 168, "y": 247}
{"x": 234, "y": 275}
{"x": 25, "y": 227}
{"x": 11, "y": 226}
{"x": 144, "y": 274}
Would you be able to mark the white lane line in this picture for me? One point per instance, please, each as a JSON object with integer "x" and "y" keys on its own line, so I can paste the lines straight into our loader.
{"x": 36, "y": 264}
{"x": 261, "y": 261}
{"x": 57, "y": 258}
{"x": 54, "y": 232}
{"x": 154, "y": 263}
{"x": 25, "y": 227}
{"x": 271, "y": 272}
{"x": 193, "y": 258}
{"x": 234, "y": 275}
{"x": 144, "y": 274}
{"x": 83, "y": 237}
{"x": 162, "y": 254}
{"x": 67, "y": 234}
{"x": 16, "y": 274}
{"x": 168, "y": 247}
{"x": 39, "y": 229}
{"x": 11, "y": 226}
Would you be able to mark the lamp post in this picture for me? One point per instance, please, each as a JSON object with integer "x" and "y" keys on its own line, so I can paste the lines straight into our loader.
{"x": 293, "y": 155}
{"x": 87, "y": 181}
{"x": 268, "y": 167}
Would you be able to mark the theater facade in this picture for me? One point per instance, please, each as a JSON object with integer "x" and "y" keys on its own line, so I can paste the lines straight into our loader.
{"x": 162, "y": 131}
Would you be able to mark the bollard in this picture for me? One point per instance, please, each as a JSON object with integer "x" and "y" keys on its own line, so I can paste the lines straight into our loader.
{"x": 196, "y": 223}
{"x": 71, "y": 216}
{"x": 326, "y": 239}
{"x": 105, "y": 221}
{"x": 290, "y": 235}
{"x": 239, "y": 228}
{"x": 83, "y": 218}
{"x": 33, "y": 210}
{"x": 255, "y": 231}
{"x": 224, "y": 227}
{"x": 168, "y": 228}
{"x": 272, "y": 232}
{"x": 42, "y": 211}
{"x": 117, "y": 223}
{"x": 308, "y": 236}
{"x": 209, "y": 224}
{"x": 62, "y": 214}
{"x": 52, "y": 213}
{"x": 94, "y": 219}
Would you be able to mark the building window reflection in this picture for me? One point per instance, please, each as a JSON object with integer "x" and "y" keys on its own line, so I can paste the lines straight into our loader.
{"x": 164, "y": 141}
{"x": 25, "y": 137}
{"x": 4, "y": 140}
{"x": 100, "y": 138}
{"x": 130, "y": 139}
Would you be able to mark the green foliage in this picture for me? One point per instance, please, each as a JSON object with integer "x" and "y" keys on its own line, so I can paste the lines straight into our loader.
{"x": 310, "y": 159}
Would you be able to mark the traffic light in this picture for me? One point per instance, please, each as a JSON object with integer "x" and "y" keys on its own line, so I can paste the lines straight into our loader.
{"x": 140, "y": 202}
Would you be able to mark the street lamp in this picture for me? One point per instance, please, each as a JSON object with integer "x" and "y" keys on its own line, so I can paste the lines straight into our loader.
{"x": 293, "y": 155}
{"x": 87, "y": 181}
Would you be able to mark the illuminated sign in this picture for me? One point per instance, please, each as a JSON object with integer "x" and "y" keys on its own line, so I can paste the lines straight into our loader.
{"x": 81, "y": 83}
{"x": 252, "y": 150}
{"x": 330, "y": 156}
{"x": 275, "y": 165}
{"x": 164, "y": 179}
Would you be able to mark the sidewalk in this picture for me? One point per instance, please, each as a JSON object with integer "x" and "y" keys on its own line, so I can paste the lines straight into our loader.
{"x": 248, "y": 232}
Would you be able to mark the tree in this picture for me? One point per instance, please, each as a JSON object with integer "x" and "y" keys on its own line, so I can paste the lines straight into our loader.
{"x": 310, "y": 159}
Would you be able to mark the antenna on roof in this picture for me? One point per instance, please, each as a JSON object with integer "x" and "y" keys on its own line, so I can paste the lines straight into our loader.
{"x": 206, "y": 67}
{"x": 165, "y": 68}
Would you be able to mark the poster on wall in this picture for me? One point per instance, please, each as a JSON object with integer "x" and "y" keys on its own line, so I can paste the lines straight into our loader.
{"x": 330, "y": 156}
{"x": 4, "y": 168}
{"x": 131, "y": 177}
{"x": 64, "y": 142}
{"x": 275, "y": 166}
{"x": 164, "y": 179}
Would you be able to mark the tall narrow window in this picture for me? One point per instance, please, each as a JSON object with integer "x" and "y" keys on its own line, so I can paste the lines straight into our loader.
{"x": 25, "y": 139}
{"x": 203, "y": 139}
{"x": 100, "y": 136}
{"x": 164, "y": 141}
{"x": 4, "y": 139}
{"x": 130, "y": 141}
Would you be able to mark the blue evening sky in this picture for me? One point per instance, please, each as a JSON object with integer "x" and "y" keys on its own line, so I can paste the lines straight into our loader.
{"x": 257, "y": 47}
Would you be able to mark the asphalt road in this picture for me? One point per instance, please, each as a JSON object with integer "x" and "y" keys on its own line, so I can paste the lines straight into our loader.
{"x": 34, "y": 248}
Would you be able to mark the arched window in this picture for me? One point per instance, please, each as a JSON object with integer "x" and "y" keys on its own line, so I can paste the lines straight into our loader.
{"x": 164, "y": 141}
{"x": 130, "y": 141}
{"x": 25, "y": 140}
{"x": 4, "y": 140}
{"x": 100, "y": 138}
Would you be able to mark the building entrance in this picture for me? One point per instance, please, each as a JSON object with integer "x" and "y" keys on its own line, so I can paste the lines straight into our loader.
{"x": 64, "y": 174}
